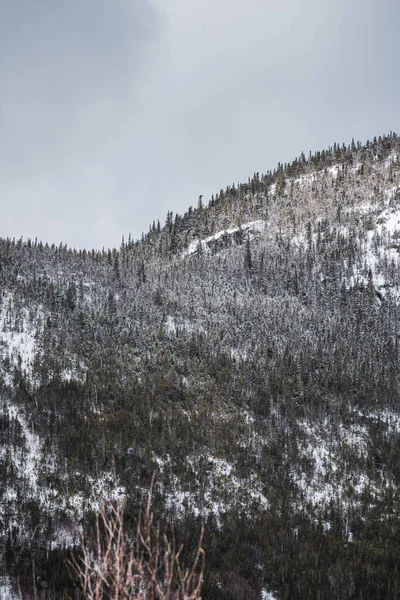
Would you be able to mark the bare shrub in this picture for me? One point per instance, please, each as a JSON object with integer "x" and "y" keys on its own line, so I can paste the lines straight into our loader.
{"x": 147, "y": 569}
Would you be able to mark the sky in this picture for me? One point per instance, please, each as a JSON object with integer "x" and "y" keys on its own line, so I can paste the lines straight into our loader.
{"x": 113, "y": 112}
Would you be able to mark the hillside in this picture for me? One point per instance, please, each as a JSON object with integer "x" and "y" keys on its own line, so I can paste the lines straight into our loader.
{"x": 248, "y": 352}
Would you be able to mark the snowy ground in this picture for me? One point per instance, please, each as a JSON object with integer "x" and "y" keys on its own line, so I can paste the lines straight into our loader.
{"x": 33, "y": 465}
{"x": 221, "y": 490}
{"x": 31, "y": 462}
{"x": 248, "y": 229}
{"x": 267, "y": 595}
{"x": 6, "y": 590}
{"x": 330, "y": 473}
{"x": 17, "y": 338}
{"x": 20, "y": 331}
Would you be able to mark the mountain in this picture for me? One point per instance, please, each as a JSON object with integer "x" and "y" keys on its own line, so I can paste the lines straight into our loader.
{"x": 247, "y": 352}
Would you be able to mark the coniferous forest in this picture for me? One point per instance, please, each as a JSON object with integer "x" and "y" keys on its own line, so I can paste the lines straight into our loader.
{"x": 246, "y": 353}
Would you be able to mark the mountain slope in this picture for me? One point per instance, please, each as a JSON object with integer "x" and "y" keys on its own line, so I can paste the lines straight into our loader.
{"x": 248, "y": 352}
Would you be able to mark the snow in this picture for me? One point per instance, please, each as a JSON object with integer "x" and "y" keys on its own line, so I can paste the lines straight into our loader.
{"x": 17, "y": 339}
{"x": 172, "y": 326}
{"x": 387, "y": 226}
{"x": 74, "y": 374}
{"x": 333, "y": 170}
{"x": 20, "y": 342}
{"x": 376, "y": 223}
{"x": 385, "y": 416}
{"x": 6, "y": 590}
{"x": 238, "y": 354}
{"x": 32, "y": 463}
{"x": 328, "y": 476}
{"x": 324, "y": 446}
{"x": 251, "y": 228}
{"x": 26, "y": 462}
{"x": 332, "y": 452}
{"x": 221, "y": 489}
{"x": 267, "y": 595}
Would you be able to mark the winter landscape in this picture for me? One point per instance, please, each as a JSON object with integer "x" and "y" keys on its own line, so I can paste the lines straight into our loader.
{"x": 199, "y": 300}
{"x": 246, "y": 355}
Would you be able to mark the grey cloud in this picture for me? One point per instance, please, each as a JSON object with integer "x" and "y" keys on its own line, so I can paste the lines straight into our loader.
{"x": 114, "y": 112}
{"x": 68, "y": 73}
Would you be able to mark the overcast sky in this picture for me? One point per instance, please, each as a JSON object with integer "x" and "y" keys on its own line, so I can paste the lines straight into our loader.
{"x": 113, "y": 112}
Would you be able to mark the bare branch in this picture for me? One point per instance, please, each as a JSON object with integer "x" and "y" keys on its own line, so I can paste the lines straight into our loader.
{"x": 149, "y": 569}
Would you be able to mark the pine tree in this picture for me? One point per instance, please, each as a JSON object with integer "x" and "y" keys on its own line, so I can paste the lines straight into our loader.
{"x": 248, "y": 261}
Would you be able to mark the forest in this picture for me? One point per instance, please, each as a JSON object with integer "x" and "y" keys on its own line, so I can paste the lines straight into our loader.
{"x": 246, "y": 354}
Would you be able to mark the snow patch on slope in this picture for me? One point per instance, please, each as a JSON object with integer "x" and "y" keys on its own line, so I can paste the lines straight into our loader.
{"x": 267, "y": 595}
{"x": 6, "y": 590}
{"x": 20, "y": 345}
{"x": 220, "y": 489}
{"x": 172, "y": 326}
{"x": 252, "y": 228}
{"x": 33, "y": 466}
{"x": 381, "y": 247}
{"x": 329, "y": 452}
{"x": 17, "y": 335}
